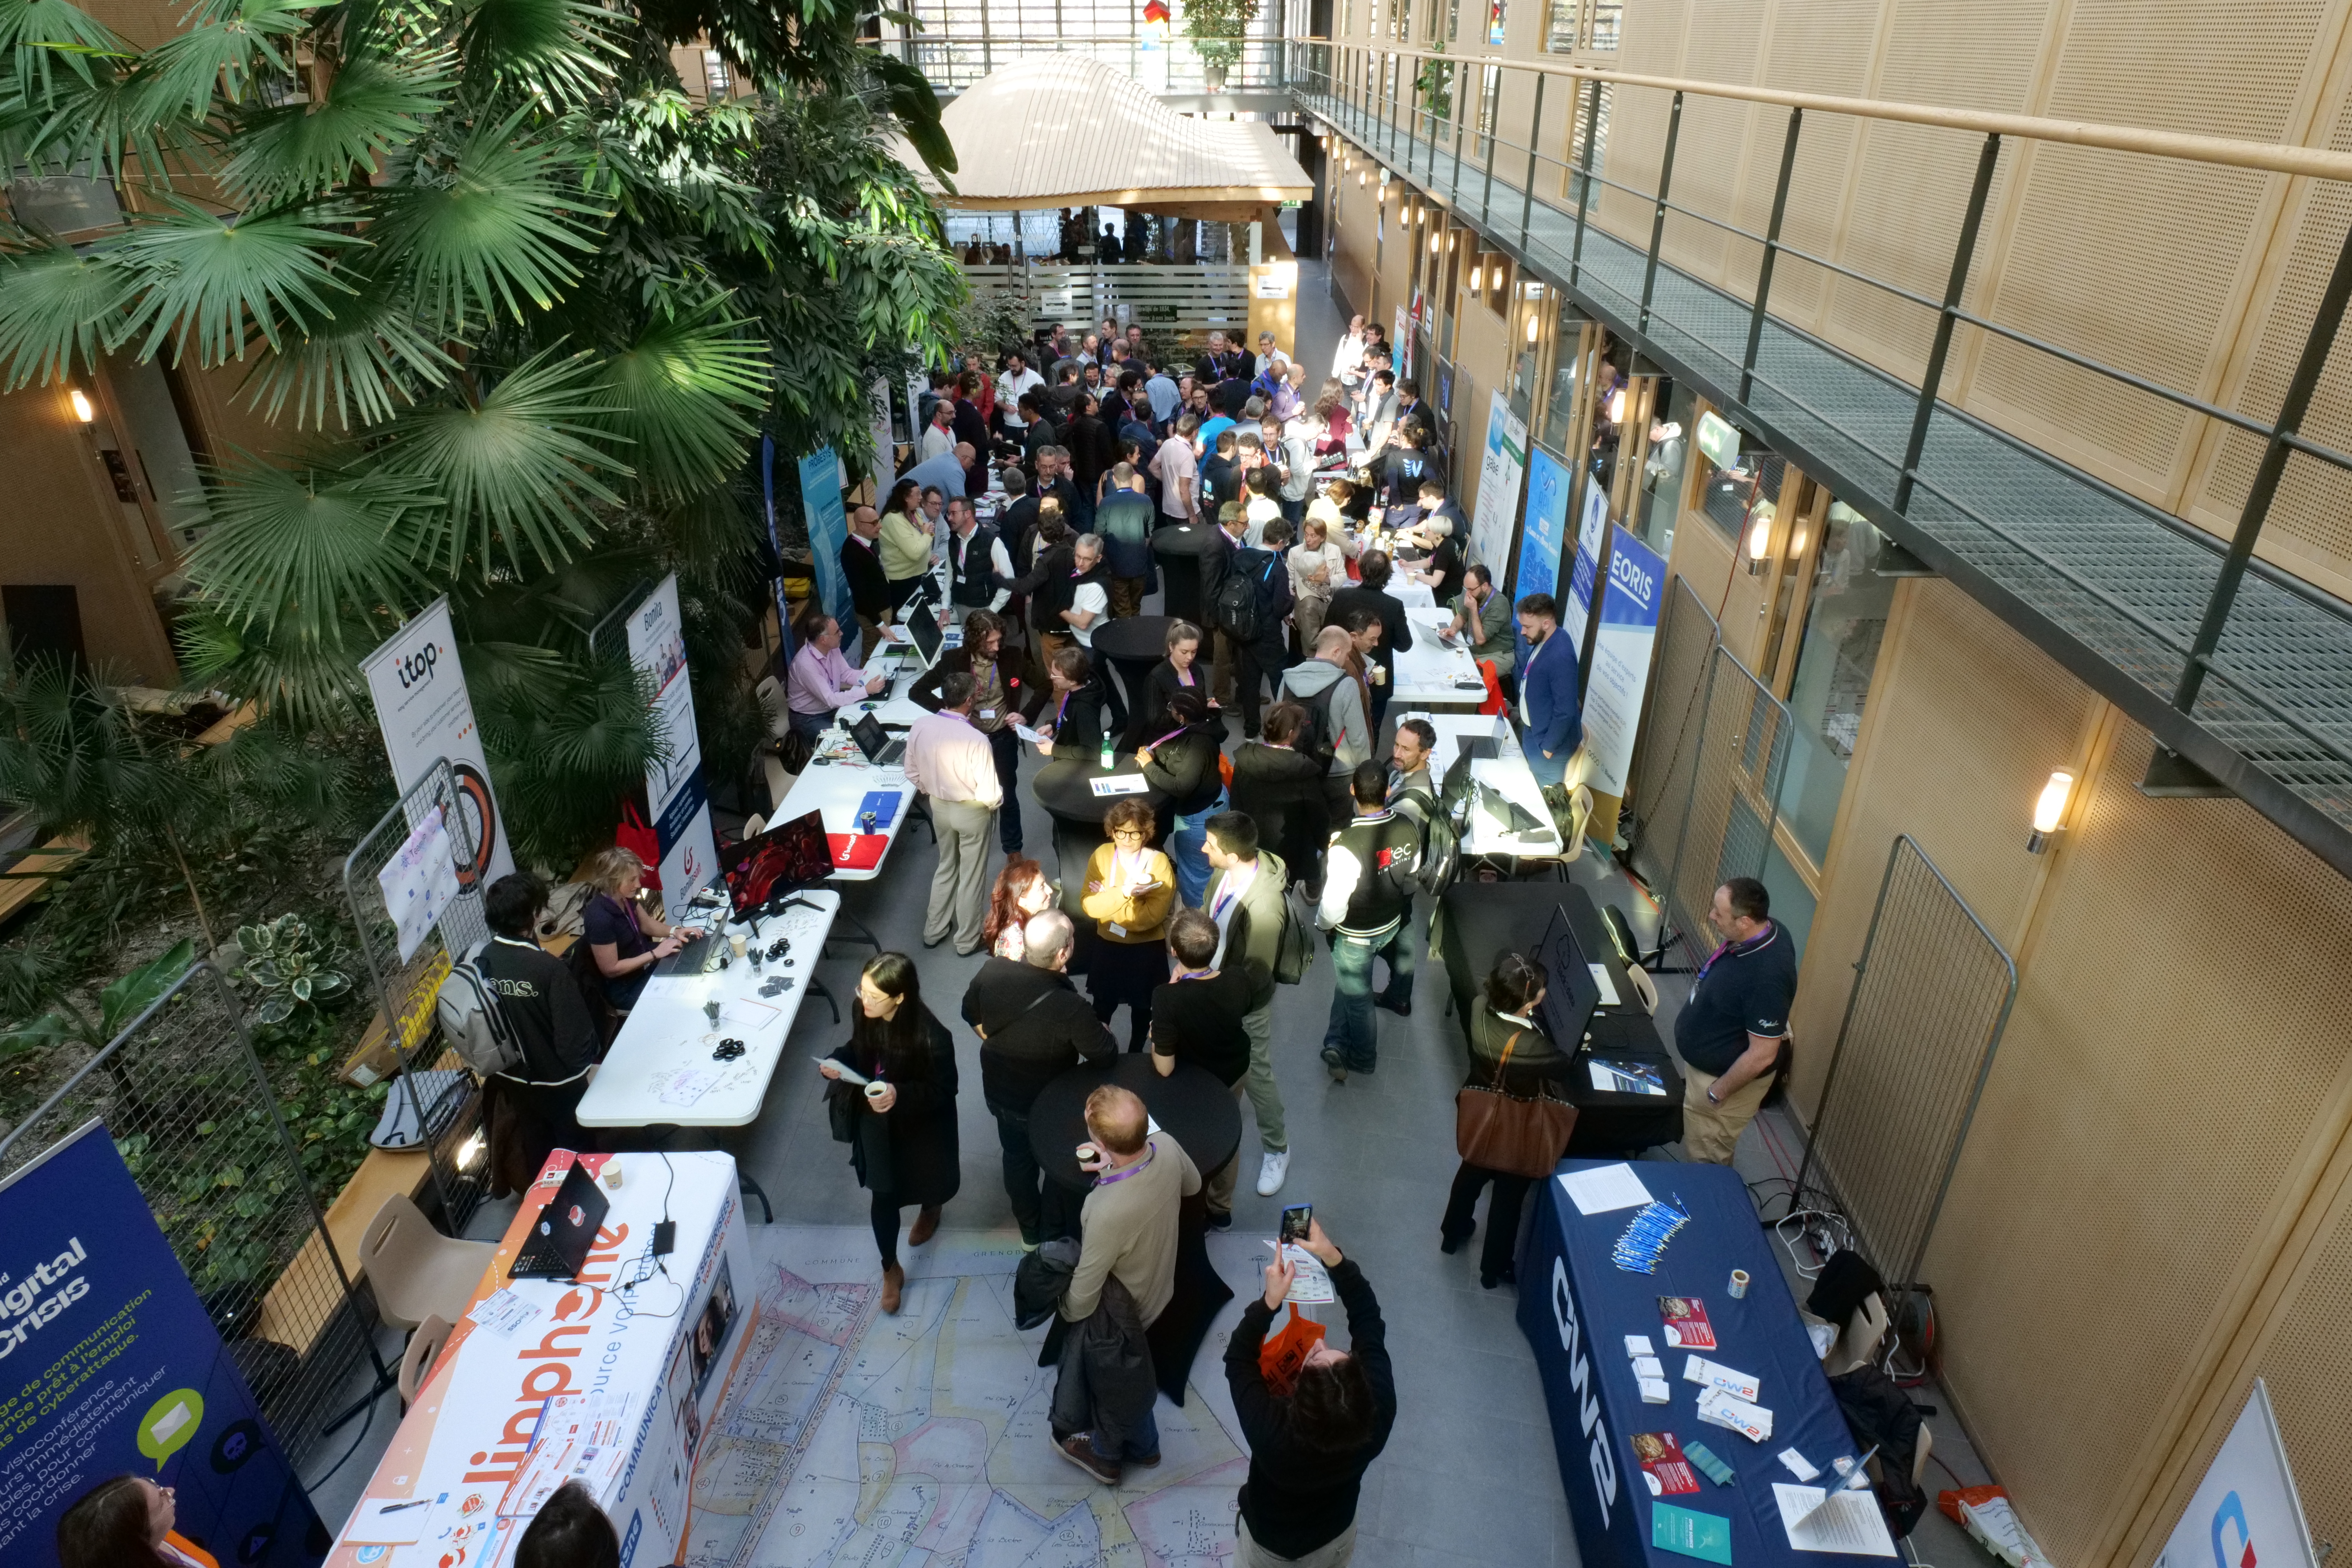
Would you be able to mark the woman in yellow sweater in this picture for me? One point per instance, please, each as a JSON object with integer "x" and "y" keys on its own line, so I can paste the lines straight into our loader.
{"x": 1130, "y": 891}
{"x": 907, "y": 542}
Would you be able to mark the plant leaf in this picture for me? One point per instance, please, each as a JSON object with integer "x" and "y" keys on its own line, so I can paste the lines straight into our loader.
{"x": 222, "y": 280}
{"x": 367, "y": 361}
{"x": 557, "y": 48}
{"x": 299, "y": 545}
{"x": 372, "y": 105}
{"x": 136, "y": 992}
{"x": 58, "y": 307}
{"x": 686, "y": 394}
{"x": 43, "y": 31}
{"x": 226, "y": 45}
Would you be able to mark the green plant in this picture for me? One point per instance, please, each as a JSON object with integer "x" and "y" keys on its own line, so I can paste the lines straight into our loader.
{"x": 1435, "y": 83}
{"x": 285, "y": 959}
{"x": 111, "y": 1009}
{"x": 1217, "y": 28}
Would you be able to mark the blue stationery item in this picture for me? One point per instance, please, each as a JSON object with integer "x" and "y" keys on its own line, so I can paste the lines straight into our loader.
{"x": 1645, "y": 1238}
{"x": 1690, "y": 1532}
{"x": 883, "y": 803}
{"x": 1715, "y": 1469}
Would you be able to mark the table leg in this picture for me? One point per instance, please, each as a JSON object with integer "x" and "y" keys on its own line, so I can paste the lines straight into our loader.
{"x": 860, "y": 934}
{"x": 816, "y": 988}
{"x": 752, "y": 1189}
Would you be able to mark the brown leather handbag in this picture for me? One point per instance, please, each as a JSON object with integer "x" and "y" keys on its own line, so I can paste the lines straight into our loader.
{"x": 1499, "y": 1132}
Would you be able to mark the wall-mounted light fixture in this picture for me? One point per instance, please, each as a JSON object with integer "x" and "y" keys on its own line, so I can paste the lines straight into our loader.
{"x": 2050, "y": 810}
{"x": 81, "y": 405}
{"x": 1759, "y": 535}
{"x": 1475, "y": 270}
{"x": 1532, "y": 329}
{"x": 1436, "y": 242}
{"x": 1617, "y": 405}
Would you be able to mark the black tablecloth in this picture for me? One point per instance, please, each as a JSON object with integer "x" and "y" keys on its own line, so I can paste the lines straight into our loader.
{"x": 1065, "y": 788}
{"x": 1477, "y": 921}
{"x": 1132, "y": 648}
{"x": 1189, "y": 1103}
{"x": 1179, "y": 552}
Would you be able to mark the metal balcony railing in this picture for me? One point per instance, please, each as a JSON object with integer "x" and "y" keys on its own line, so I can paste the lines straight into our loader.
{"x": 2242, "y": 671}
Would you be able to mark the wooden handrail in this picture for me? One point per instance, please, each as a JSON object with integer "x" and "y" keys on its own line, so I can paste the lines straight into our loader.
{"x": 2310, "y": 163}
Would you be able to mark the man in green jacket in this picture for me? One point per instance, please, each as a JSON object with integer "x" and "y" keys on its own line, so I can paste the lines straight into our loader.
{"x": 1247, "y": 901}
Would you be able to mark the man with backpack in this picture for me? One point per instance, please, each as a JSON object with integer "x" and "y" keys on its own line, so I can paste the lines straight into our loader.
{"x": 1337, "y": 725}
{"x": 1252, "y": 606}
{"x": 1368, "y": 886}
{"x": 516, "y": 1015}
{"x": 1253, "y": 914}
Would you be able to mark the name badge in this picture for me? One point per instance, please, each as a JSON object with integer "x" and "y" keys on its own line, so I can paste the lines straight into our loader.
{"x": 988, "y": 713}
{"x": 1114, "y": 928}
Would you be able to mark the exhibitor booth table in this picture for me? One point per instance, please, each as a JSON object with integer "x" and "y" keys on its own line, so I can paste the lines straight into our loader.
{"x": 1477, "y": 921}
{"x": 1577, "y": 1306}
{"x": 1430, "y": 675}
{"x": 642, "y": 1368}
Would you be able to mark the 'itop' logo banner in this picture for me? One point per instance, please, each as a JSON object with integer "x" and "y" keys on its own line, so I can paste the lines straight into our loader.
{"x": 426, "y": 713}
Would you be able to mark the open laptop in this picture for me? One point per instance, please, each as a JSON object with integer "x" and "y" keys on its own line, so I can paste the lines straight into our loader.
{"x": 564, "y": 1231}
{"x": 922, "y": 625}
{"x": 875, "y": 743}
{"x": 1572, "y": 995}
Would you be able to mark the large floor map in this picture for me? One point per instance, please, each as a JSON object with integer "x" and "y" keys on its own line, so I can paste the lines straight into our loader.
{"x": 921, "y": 1441}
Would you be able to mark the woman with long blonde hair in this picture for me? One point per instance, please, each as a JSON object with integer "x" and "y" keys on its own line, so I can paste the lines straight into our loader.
{"x": 626, "y": 939}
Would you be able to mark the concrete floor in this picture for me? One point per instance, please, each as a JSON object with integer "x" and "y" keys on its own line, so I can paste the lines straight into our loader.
{"x": 1469, "y": 1476}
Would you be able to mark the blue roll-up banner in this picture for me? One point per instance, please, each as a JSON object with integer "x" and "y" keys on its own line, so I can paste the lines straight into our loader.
{"x": 1546, "y": 525}
{"x": 828, "y": 530}
{"x": 110, "y": 1366}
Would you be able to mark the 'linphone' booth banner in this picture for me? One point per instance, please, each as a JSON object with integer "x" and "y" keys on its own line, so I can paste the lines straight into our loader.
{"x": 108, "y": 1366}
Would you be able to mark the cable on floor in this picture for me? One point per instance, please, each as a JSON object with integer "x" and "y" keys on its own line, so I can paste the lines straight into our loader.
{"x": 356, "y": 1441}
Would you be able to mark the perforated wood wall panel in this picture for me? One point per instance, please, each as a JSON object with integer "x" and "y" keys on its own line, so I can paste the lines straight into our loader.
{"x": 2308, "y": 1364}
{"x": 145, "y": 23}
{"x": 1822, "y": 47}
{"x": 2107, "y": 1182}
{"x": 1966, "y": 720}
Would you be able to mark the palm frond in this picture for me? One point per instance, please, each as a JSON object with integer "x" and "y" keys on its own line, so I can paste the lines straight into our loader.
{"x": 305, "y": 685}
{"x": 372, "y": 105}
{"x": 59, "y": 306}
{"x": 300, "y": 548}
{"x": 687, "y": 394}
{"x": 222, "y": 280}
{"x": 560, "y": 49}
{"x": 115, "y": 119}
{"x": 226, "y": 46}
{"x": 567, "y": 738}
{"x": 492, "y": 232}
{"x": 520, "y": 469}
{"x": 45, "y": 33}
{"x": 366, "y": 362}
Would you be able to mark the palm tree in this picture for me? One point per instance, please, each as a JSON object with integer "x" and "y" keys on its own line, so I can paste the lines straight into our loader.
{"x": 511, "y": 299}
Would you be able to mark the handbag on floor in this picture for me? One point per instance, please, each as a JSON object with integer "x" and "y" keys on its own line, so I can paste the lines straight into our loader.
{"x": 1499, "y": 1132}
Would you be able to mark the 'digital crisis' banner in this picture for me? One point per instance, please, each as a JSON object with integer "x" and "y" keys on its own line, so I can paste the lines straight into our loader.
{"x": 110, "y": 1366}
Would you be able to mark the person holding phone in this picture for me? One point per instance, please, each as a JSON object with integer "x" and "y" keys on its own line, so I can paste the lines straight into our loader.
{"x": 901, "y": 1123}
{"x": 1129, "y": 889}
{"x": 1310, "y": 1445}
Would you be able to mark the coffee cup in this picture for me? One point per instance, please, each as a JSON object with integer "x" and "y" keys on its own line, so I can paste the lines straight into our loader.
{"x": 875, "y": 1089}
{"x": 736, "y": 942}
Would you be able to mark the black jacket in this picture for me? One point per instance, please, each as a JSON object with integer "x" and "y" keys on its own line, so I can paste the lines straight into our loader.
{"x": 1047, "y": 584}
{"x": 910, "y": 1149}
{"x": 1018, "y": 698}
{"x": 1282, "y": 790}
{"x": 1185, "y": 770}
{"x": 1396, "y": 632}
{"x": 1080, "y": 726}
{"x": 1034, "y": 1027}
{"x": 1092, "y": 451}
{"x": 540, "y": 1000}
{"x": 869, "y": 587}
{"x": 1535, "y": 1060}
{"x": 1297, "y": 1498}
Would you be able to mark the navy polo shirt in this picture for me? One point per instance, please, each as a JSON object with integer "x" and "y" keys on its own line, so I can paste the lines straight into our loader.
{"x": 1742, "y": 990}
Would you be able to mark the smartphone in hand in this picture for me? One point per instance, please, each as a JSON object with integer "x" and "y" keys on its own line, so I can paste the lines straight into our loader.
{"x": 1295, "y": 1218}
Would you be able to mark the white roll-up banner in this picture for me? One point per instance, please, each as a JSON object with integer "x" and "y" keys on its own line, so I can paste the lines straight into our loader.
{"x": 426, "y": 713}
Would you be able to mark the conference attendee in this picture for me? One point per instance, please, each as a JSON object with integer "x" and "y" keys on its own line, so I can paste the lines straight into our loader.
{"x": 1412, "y": 789}
{"x": 1220, "y": 476}
{"x": 1261, "y": 500}
{"x": 1378, "y": 416}
{"x": 1309, "y": 1447}
{"x": 1371, "y": 592}
{"x": 1483, "y": 619}
{"x": 948, "y": 473}
{"x": 939, "y": 436}
{"x": 1034, "y": 1027}
{"x": 1439, "y": 518}
{"x": 1072, "y": 723}
{"x": 1259, "y": 661}
{"x": 624, "y": 938}
{"x": 1366, "y": 897}
{"x": 1411, "y": 411}
{"x": 980, "y": 568}
{"x": 1550, "y": 715}
{"x": 1334, "y": 699}
{"x": 953, "y": 764}
{"x": 1088, "y": 591}
{"x": 1179, "y": 758}
{"x": 1233, "y": 524}
{"x": 1021, "y": 890}
{"x": 902, "y": 1123}
{"x": 1298, "y": 465}
{"x": 569, "y": 1531}
{"x": 1329, "y": 410}
{"x": 1092, "y": 451}
{"x": 1510, "y": 1051}
{"x": 1398, "y": 471}
{"x": 1046, "y": 584}
{"x": 1730, "y": 1031}
{"x": 1319, "y": 568}
{"x": 999, "y": 697}
{"x": 1017, "y": 384}
{"x": 1179, "y": 670}
{"x": 1348, "y": 358}
{"x": 1124, "y": 521}
{"x": 1279, "y": 787}
{"x": 869, "y": 584}
{"x": 534, "y": 1105}
{"x": 1196, "y": 1018}
{"x": 1128, "y": 1220}
{"x": 1247, "y": 905}
{"x": 971, "y": 423}
{"x": 822, "y": 680}
{"x": 1129, "y": 889}
{"x": 126, "y": 1522}
{"x": 1442, "y": 571}
{"x": 1178, "y": 472}
{"x": 1166, "y": 398}
{"x": 907, "y": 540}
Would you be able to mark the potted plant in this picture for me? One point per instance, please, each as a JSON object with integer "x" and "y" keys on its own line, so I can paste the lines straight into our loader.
{"x": 1217, "y": 28}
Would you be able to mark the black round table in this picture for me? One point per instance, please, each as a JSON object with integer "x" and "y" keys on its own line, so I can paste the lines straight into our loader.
{"x": 1134, "y": 647}
{"x": 1065, "y": 788}
{"x": 1179, "y": 550}
{"x": 1190, "y": 1105}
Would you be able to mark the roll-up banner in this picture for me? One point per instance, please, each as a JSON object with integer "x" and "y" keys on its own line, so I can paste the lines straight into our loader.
{"x": 1583, "y": 577}
{"x": 1547, "y": 524}
{"x": 1630, "y": 597}
{"x": 110, "y": 1366}
{"x": 1500, "y": 466}
{"x": 675, "y": 789}
{"x": 828, "y": 530}
{"x": 426, "y": 713}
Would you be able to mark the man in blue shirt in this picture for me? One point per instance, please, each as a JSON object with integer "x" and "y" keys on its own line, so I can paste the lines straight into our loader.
{"x": 1123, "y": 522}
{"x": 1165, "y": 395}
{"x": 1550, "y": 716}
{"x": 946, "y": 471}
{"x": 1731, "y": 1032}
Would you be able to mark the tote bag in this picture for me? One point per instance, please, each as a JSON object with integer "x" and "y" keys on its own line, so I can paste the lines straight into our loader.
{"x": 1498, "y": 1131}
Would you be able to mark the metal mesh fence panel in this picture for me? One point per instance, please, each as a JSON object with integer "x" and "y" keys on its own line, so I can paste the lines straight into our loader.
{"x": 1931, "y": 996}
{"x": 1668, "y": 762}
{"x": 1738, "y": 757}
{"x": 195, "y": 1118}
{"x": 406, "y": 989}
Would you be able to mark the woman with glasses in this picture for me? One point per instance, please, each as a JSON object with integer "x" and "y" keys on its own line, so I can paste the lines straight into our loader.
{"x": 1130, "y": 889}
{"x": 900, "y": 1125}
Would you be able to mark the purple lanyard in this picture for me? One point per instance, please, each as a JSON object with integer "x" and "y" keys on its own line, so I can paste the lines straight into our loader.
{"x": 1151, "y": 1153}
{"x": 1061, "y": 708}
{"x": 1736, "y": 950}
{"x": 1165, "y": 739}
{"x": 1185, "y": 676}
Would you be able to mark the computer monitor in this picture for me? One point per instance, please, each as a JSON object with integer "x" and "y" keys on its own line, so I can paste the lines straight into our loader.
{"x": 1572, "y": 994}
{"x": 784, "y": 859}
{"x": 1457, "y": 784}
{"x": 924, "y": 628}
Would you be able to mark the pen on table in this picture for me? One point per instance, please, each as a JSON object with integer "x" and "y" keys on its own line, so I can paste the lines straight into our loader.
{"x": 397, "y": 1506}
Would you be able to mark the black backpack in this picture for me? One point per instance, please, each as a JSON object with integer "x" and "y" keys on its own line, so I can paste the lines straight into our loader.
{"x": 1317, "y": 738}
{"x": 1879, "y": 1413}
{"x": 1235, "y": 607}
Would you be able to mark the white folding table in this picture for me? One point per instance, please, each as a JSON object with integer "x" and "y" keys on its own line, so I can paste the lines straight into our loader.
{"x": 1506, "y": 773}
{"x": 1430, "y": 675}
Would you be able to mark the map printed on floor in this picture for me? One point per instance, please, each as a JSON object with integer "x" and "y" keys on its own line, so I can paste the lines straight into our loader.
{"x": 921, "y": 1441}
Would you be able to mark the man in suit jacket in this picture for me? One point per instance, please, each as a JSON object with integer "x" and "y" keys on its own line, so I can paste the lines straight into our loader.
{"x": 1551, "y": 718}
{"x": 869, "y": 585}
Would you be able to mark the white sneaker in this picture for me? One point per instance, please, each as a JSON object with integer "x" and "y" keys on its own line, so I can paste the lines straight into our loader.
{"x": 1270, "y": 1172}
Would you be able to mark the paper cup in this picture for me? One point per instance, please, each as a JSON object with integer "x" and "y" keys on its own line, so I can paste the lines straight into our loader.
{"x": 874, "y": 1091}
{"x": 1738, "y": 1284}
{"x": 736, "y": 942}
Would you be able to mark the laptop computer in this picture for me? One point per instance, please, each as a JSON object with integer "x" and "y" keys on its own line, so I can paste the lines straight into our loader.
{"x": 700, "y": 956}
{"x": 564, "y": 1231}
{"x": 875, "y": 742}
{"x": 923, "y": 626}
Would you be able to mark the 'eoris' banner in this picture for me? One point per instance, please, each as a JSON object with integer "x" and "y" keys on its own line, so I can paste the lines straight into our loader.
{"x": 110, "y": 1366}
{"x": 422, "y": 706}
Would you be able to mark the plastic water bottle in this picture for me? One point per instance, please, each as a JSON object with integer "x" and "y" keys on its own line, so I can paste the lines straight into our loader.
{"x": 1106, "y": 752}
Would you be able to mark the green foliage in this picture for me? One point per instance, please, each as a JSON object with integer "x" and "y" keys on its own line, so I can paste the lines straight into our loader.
{"x": 116, "y": 1005}
{"x": 1217, "y": 28}
{"x": 294, "y": 972}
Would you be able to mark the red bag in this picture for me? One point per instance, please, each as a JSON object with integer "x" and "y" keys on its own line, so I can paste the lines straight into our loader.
{"x": 1279, "y": 1359}
{"x": 857, "y": 851}
{"x": 640, "y": 840}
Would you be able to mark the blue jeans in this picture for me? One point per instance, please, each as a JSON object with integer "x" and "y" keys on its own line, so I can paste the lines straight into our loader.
{"x": 1143, "y": 1443}
{"x": 1548, "y": 770}
{"x": 1350, "y": 1031}
{"x": 1188, "y": 846}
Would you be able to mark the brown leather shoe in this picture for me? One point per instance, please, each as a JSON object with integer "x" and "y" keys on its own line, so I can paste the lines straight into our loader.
{"x": 894, "y": 1282}
{"x": 927, "y": 1225}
